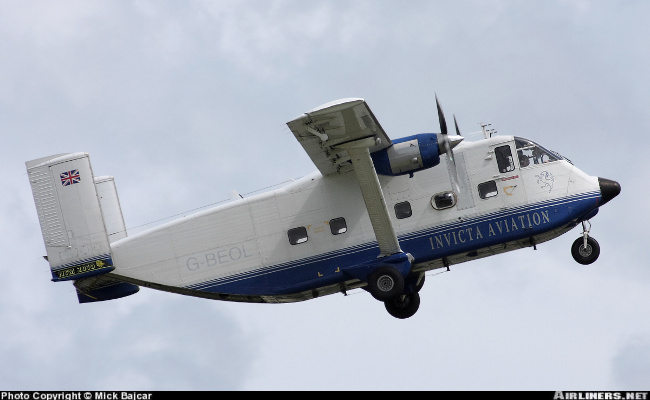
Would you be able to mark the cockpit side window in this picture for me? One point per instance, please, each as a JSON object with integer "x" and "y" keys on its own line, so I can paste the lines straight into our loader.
{"x": 504, "y": 158}
{"x": 530, "y": 153}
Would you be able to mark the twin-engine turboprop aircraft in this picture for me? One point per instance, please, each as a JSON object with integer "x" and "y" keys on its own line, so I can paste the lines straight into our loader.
{"x": 378, "y": 214}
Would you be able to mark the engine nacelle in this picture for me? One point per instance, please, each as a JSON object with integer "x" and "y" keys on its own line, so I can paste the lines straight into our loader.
{"x": 408, "y": 155}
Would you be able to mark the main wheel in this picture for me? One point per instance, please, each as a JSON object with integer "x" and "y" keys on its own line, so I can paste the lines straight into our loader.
{"x": 585, "y": 255}
{"x": 403, "y": 306}
{"x": 385, "y": 283}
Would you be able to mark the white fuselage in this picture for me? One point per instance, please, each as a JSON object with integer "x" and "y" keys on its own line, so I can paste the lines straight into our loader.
{"x": 243, "y": 248}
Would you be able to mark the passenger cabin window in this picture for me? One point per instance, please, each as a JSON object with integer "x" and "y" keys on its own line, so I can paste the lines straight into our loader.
{"x": 504, "y": 158}
{"x": 530, "y": 153}
{"x": 487, "y": 189}
{"x": 403, "y": 210}
{"x": 338, "y": 226}
{"x": 297, "y": 235}
{"x": 443, "y": 200}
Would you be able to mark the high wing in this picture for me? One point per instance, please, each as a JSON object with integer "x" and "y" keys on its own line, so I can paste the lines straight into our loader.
{"x": 320, "y": 130}
{"x": 339, "y": 136}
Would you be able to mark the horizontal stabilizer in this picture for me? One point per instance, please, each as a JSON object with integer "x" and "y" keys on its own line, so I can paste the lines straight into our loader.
{"x": 102, "y": 288}
{"x": 112, "y": 292}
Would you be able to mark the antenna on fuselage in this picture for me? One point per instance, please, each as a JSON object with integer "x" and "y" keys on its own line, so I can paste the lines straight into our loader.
{"x": 234, "y": 195}
{"x": 487, "y": 132}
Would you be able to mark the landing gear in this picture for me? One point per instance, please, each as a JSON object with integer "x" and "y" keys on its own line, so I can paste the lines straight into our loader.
{"x": 385, "y": 283}
{"x": 585, "y": 250}
{"x": 404, "y": 305}
{"x": 399, "y": 295}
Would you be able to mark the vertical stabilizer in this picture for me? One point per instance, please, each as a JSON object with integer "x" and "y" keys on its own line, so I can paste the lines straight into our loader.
{"x": 111, "y": 210}
{"x": 70, "y": 215}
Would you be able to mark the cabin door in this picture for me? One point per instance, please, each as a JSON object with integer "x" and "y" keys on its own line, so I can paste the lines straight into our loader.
{"x": 507, "y": 179}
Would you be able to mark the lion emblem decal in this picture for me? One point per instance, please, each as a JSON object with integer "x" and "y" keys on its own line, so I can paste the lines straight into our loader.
{"x": 545, "y": 180}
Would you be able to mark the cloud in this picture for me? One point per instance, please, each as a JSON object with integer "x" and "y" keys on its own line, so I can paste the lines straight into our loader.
{"x": 157, "y": 343}
{"x": 631, "y": 363}
{"x": 184, "y": 101}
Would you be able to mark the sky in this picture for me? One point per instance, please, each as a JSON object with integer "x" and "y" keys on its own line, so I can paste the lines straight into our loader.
{"x": 185, "y": 101}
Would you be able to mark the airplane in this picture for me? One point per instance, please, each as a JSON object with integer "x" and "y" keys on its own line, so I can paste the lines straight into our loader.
{"x": 378, "y": 214}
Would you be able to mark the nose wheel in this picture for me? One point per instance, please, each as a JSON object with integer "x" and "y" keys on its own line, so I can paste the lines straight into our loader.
{"x": 585, "y": 250}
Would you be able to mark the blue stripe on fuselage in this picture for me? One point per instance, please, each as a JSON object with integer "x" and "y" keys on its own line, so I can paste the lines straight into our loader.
{"x": 428, "y": 244}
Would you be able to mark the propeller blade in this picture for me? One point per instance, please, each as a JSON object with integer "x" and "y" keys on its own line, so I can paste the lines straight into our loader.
{"x": 447, "y": 145}
{"x": 456, "y": 123}
{"x": 453, "y": 163}
{"x": 454, "y": 175}
{"x": 441, "y": 118}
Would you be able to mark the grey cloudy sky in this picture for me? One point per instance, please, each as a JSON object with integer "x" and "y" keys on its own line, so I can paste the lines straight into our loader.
{"x": 183, "y": 101}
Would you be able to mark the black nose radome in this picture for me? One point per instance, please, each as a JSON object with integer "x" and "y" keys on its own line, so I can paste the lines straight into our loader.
{"x": 608, "y": 189}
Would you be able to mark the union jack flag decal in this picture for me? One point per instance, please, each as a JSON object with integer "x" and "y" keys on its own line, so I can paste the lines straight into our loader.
{"x": 70, "y": 177}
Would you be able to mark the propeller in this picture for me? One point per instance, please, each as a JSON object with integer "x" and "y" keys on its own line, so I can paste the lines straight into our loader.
{"x": 447, "y": 144}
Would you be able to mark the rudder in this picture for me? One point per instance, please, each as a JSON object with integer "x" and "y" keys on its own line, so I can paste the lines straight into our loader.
{"x": 70, "y": 216}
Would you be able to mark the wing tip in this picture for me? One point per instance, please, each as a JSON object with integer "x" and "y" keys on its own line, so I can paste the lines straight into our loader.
{"x": 334, "y": 104}
{"x": 331, "y": 106}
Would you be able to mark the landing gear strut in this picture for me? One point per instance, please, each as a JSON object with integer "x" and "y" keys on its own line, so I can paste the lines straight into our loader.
{"x": 585, "y": 250}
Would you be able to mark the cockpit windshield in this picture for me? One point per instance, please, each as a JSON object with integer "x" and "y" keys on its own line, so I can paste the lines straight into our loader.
{"x": 530, "y": 153}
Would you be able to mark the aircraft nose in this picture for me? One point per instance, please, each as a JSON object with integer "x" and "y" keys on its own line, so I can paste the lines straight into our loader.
{"x": 608, "y": 189}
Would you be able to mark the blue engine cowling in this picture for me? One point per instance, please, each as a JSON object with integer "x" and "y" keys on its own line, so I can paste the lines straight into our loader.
{"x": 408, "y": 155}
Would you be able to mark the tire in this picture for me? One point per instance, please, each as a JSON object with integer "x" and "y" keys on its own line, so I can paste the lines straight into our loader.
{"x": 385, "y": 283}
{"x": 585, "y": 255}
{"x": 403, "y": 307}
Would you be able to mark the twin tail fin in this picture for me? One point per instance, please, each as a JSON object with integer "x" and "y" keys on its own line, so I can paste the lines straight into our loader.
{"x": 80, "y": 216}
